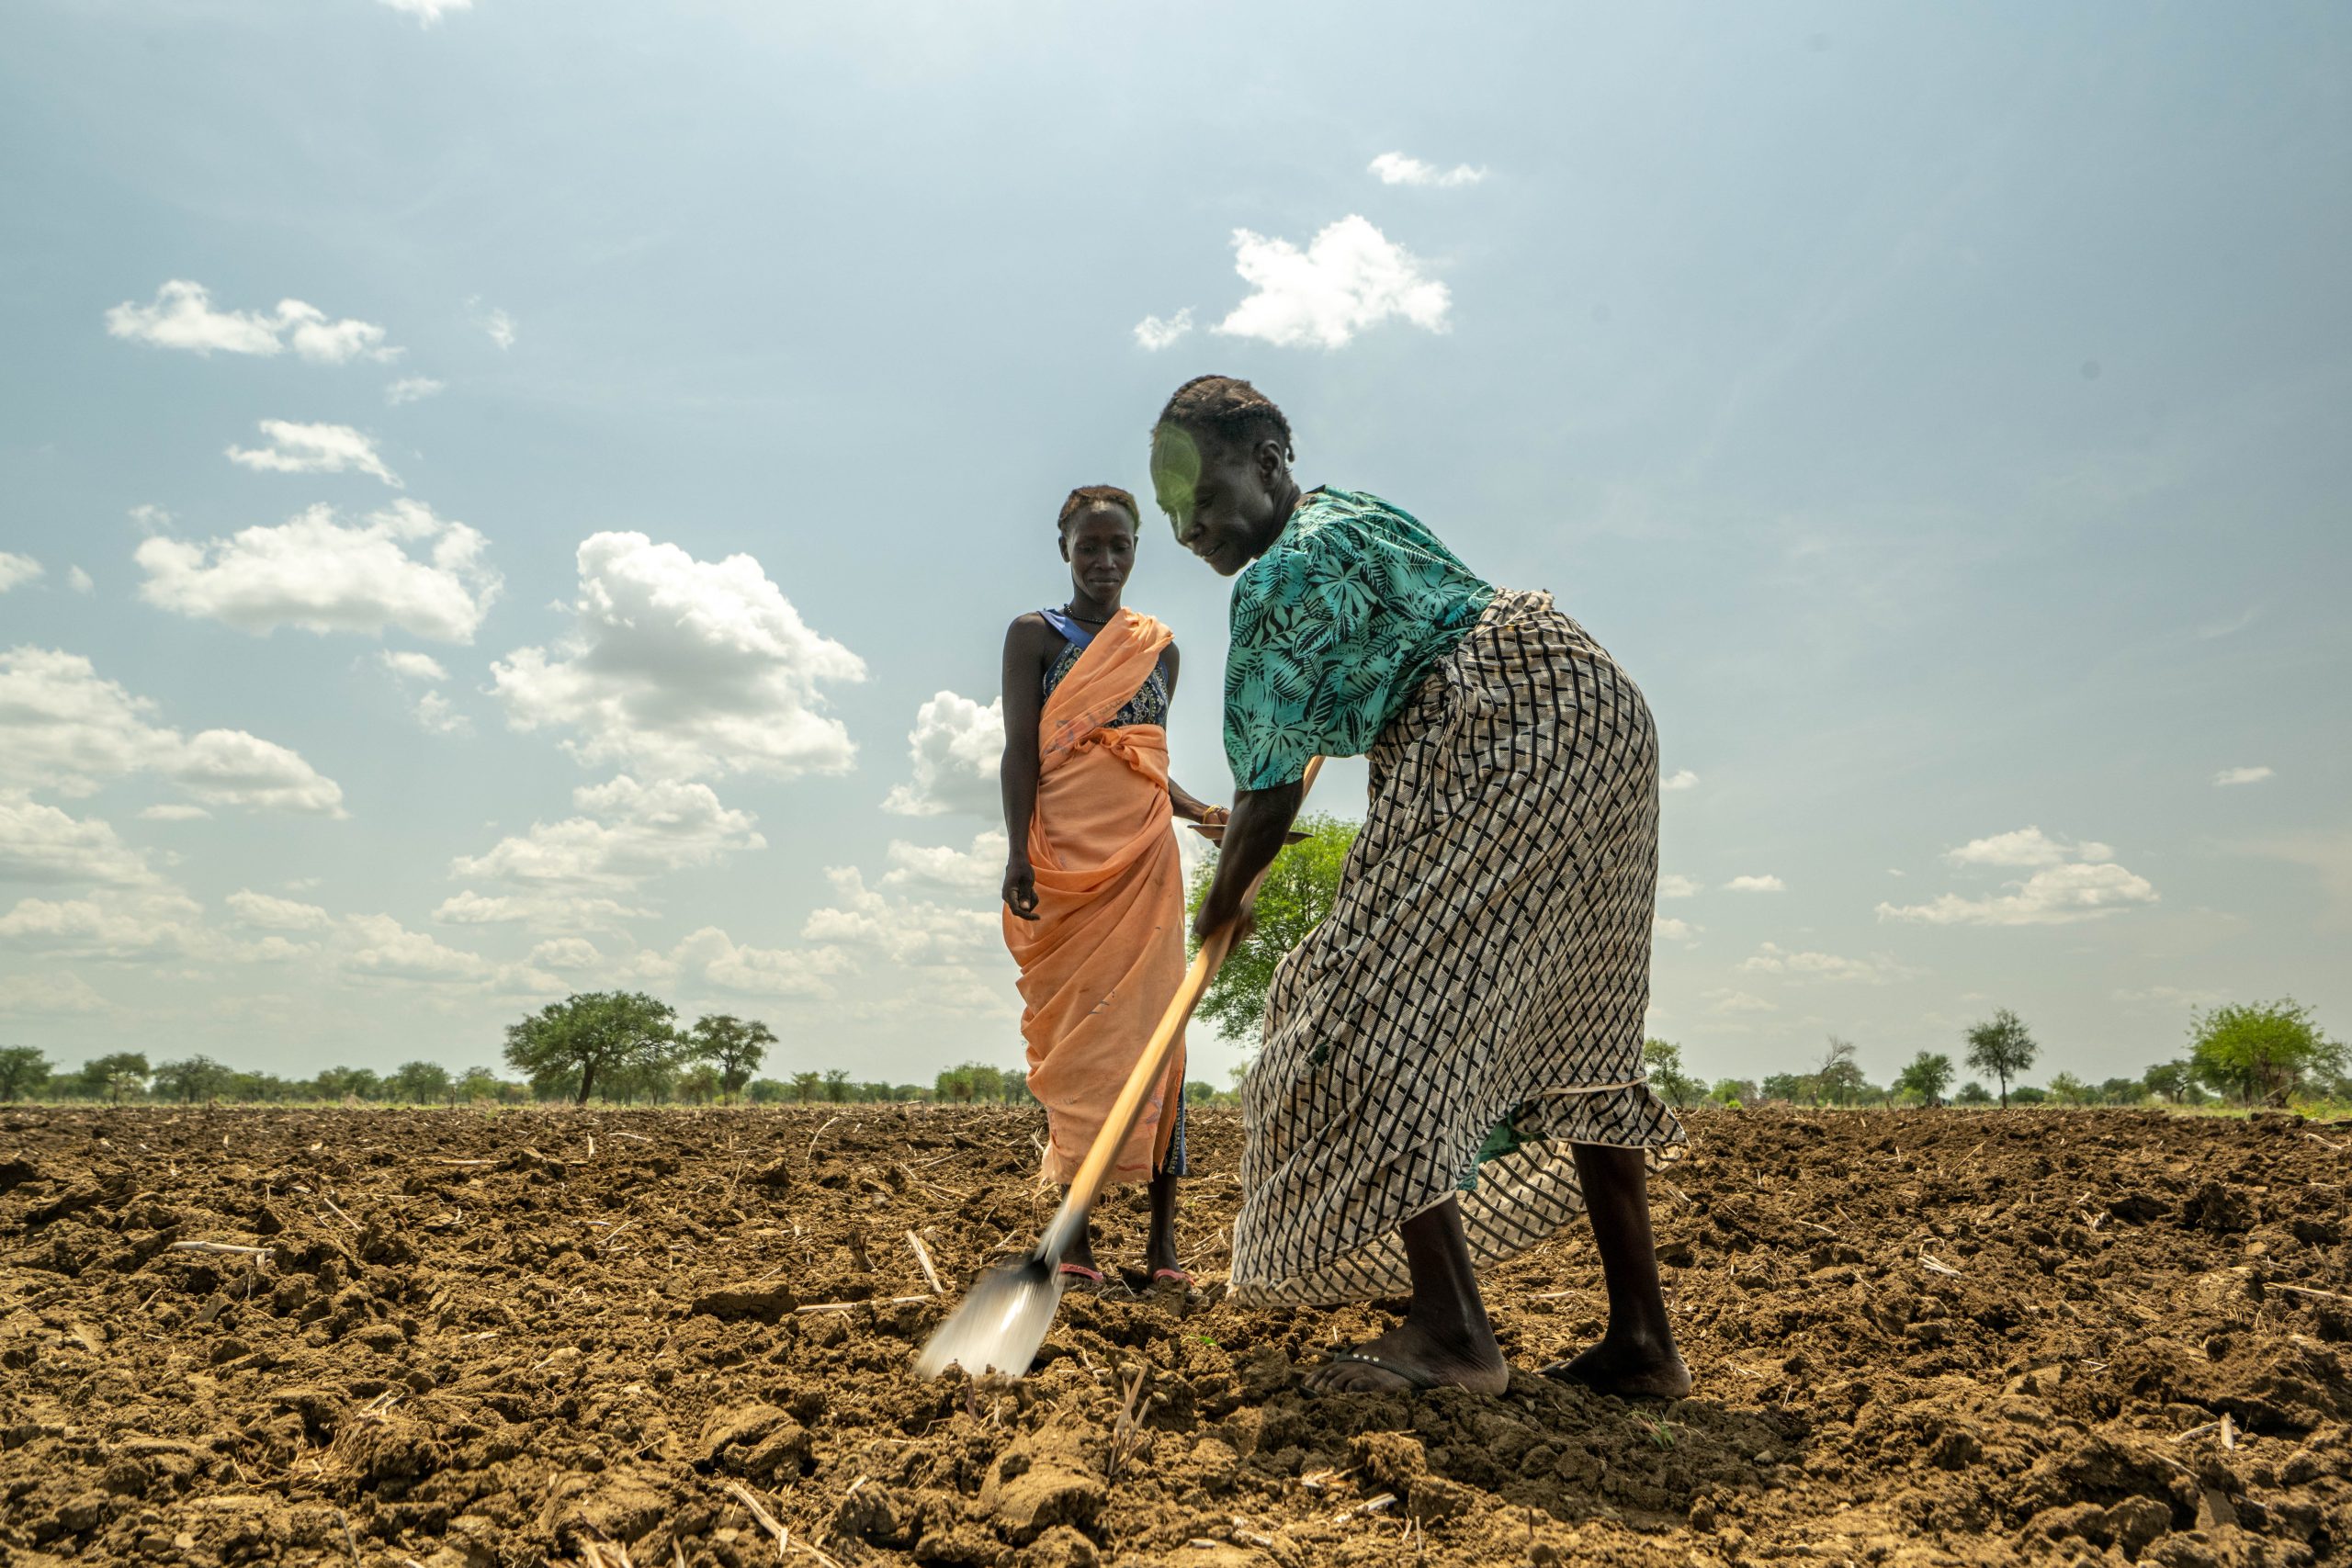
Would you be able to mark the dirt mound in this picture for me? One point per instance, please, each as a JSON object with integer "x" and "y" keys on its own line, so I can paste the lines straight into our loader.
{"x": 465, "y": 1340}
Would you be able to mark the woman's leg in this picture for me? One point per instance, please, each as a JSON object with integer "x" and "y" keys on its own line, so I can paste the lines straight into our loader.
{"x": 1159, "y": 1251}
{"x": 1445, "y": 1337}
{"x": 1636, "y": 1355}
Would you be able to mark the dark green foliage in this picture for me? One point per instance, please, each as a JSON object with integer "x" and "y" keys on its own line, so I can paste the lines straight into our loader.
{"x": 1297, "y": 894}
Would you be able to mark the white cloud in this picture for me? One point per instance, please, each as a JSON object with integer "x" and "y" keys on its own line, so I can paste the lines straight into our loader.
{"x": 169, "y": 813}
{"x": 1349, "y": 277}
{"x": 2077, "y": 881}
{"x": 1666, "y": 927}
{"x": 79, "y": 581}
{"x": 146, "y": 924}
{"x": 1773, "y": 959}
{"x": 2230, "y": 627}
{"x": 1397, "y": 169}
{"x": 433, "y": 711}
{"x": 1765, "y": 883}
{"x": 2027, "y": 846}
{"x": 271, "y": 913}
{"x": 65, "y": 729}
{"x": 567, "y": 952}
{"x": 182, "y": 317}
{"x": 313, "y": 449}
{"x": 2051, "y": 895}
{"x": 978, "y": 870}
{"x": 1156, "y": 333}
{"x": 956, "y": 746}
{"x": 1730, "y": 1002}
{"x": 413, "y": 389}
{"x": 323, "y": 341}
{"x": 1674, "y": 885}
{"x": 628, "y": 832}
{"x": 2229, "y": 776}
{"x": 679, "y": 667}
{"x": 436, "y": 717}
{"x": 414, "y": 666}
{"x": 17, "y": 569}
{"x": 41, "y": 844}
{"x": 1682, "y": 778}
{"x": 150, "y": 518}
{"x": 50, "y": 991}
{"x": 498, "y": 323}
{"x": 428, "y": 11}
{"x": 321, "y": 575}
{"x": 900, "y": 929}
{"x": 710, "y": 955}
{"x": 380, "y": 945}
{"x": 229, "y": 767}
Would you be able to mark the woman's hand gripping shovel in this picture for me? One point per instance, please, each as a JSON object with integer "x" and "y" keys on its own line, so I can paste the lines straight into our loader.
{"x": 1004, "y": 1318}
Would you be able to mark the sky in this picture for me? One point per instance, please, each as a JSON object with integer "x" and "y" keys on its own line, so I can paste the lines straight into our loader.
{"x": 501, "y": 496}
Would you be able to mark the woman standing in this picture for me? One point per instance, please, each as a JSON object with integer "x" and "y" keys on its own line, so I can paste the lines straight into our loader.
{"x": 1451, "y": 1065}
{"x": 1093, "y": 887}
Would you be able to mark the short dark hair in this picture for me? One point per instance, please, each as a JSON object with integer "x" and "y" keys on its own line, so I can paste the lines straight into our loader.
{"x": 1228, "y": 408}
{"x": 1087, "y": 496}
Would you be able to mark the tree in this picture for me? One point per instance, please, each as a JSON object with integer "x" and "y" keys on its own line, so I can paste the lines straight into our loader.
{"x": 420, "y": 1083}
{"x": 593, "y": 1032}
{"x": 113, "y": 1078}
{"x": 700, "y": 1084}
{"x": 2026, "y": 1094}
{"x": 733, "y": 1045}
{"x": 2167, "y": 1080}
{"x": 836, "y": 1086}
{"x": 2001, "y": 1046}
{"x": 806, "y": 1086}
{"x": 1297, "y": 894}
{"x": 1787, "y": 1087}
{"x": 478, "y": 1084}
{"x": 198, "y": 1077}
{"x": 2260, "y": 1053}
{"x": 2121, "y": 1092}
{"x": 347, "y": 1083}
{"x": 1927, "y": 1077}
{"x": 1973, "y": 1093}
{"x": 23, "y": 1070}
{"x": 1734, "y": 1093}
{"x": 767, "y": 1091}
{"x": 2068, "y": 1090}
{"x": 1663, "y": 1061}
{"x": 1839, "y": 1079}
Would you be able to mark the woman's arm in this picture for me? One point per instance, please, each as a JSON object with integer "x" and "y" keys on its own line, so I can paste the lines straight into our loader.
{"x": 1253, "y": 837}
{"x": 1187, "y": 806}
{"x": 1024, "y": 652}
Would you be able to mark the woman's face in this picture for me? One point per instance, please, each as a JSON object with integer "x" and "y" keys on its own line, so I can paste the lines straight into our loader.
{"x": 1226, "y": 501}
{"x": 1100, "y": 545}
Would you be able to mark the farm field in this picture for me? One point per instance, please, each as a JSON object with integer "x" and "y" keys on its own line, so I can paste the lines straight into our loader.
{"x": 558, "y": 1337}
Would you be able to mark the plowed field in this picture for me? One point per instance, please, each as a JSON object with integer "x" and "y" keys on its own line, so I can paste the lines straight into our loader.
{"x": 549, "y": 1337}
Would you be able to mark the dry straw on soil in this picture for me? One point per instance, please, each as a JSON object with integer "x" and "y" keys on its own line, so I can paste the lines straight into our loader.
{"x": 678, "y": 1338}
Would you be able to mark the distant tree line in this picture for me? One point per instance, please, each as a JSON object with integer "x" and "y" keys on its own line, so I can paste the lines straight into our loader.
{"x": 625, "y": 1048}
{"x": 2256, "y": 1054}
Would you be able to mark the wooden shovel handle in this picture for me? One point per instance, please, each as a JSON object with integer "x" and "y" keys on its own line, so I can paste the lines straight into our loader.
{"x": 1088, "y": 1183}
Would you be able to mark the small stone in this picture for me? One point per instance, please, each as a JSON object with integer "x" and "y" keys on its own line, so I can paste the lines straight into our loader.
{"x": 2135, "y": 1521}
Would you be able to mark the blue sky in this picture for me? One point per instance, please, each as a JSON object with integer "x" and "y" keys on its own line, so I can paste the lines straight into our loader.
{"x": 505, "y": 498}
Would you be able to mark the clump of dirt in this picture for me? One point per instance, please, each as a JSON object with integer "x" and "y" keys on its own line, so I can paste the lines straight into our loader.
{"x": 470, "y": 1341}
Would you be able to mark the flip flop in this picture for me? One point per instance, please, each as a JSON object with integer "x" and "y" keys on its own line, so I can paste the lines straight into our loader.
{"x": 1414, "y": 1378}
{"x": 1084, "y": 1275}
{"x": 1143, "y": 1284}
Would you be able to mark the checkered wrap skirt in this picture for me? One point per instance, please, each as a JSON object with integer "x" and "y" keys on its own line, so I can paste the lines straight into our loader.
{"x": 1472, "y": 1007}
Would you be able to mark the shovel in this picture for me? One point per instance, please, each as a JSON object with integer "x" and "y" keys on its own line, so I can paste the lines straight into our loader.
{"x": 1004, "y": 1318}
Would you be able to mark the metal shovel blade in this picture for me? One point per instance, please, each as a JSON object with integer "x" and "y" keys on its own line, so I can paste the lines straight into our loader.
{"x": 1003, "y": 1319}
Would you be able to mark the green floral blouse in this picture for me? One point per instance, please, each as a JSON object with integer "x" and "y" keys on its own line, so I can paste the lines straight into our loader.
{"x": 1333, "y": 629}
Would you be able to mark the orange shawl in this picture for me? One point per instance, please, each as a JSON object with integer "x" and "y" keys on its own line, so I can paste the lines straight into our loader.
{"x": 1106, "y": 953}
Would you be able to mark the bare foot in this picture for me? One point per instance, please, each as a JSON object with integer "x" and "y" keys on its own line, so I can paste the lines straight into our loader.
{"x": 1628, "y": 1368}
{"x": 1430, "y": 1360}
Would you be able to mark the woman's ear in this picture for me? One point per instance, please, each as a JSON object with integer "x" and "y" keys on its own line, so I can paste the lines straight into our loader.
{"x": 1065, "y": 546}
{"x": 1271, "y": 466}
